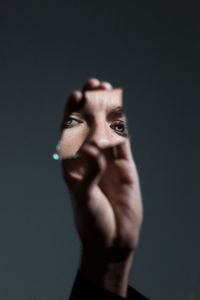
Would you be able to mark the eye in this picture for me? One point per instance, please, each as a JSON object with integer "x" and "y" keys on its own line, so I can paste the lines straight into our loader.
{"x": 70, "y": 122}
{"x": 120, "y": 128}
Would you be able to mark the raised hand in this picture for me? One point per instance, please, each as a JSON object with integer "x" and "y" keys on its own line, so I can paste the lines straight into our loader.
{"x": 103, "y": 183}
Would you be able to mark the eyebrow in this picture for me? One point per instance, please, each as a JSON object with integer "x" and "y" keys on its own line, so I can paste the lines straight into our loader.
{"x": 111, "y": 110}
{"x": 116, "y": 112}
{"x": 111, "y": 113}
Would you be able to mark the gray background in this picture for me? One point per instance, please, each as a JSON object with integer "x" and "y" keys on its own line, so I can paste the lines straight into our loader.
{"x": 48, "y": 49}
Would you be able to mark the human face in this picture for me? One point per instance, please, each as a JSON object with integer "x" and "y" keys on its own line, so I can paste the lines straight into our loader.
{"x": 100, "y": 120}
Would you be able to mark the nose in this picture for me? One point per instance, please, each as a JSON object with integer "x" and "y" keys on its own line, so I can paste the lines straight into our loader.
{"x": 100, "y": 136}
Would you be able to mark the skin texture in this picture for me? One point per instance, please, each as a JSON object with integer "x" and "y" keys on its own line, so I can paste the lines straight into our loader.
{"x": 93, "y": 121}
{"x": 103, "y": 184}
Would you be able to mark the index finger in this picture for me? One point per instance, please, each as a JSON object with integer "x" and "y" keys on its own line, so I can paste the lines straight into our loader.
{"x": 119, "y": 151}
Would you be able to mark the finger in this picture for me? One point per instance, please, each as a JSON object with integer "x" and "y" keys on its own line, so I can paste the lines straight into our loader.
{"x": 95, "y": 166}
{"x": 74, "y": 102}
{"x": 92, "y": 83}
{"x": 119, "y": 151}
{"x": 123, "y": 151}
{"x": 105, "y": 85}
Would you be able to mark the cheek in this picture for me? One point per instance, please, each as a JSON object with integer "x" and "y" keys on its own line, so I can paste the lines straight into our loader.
{"x": 115, "y": 138}
{"x": 118, "y": 139}
{"x": 71, "y": 141}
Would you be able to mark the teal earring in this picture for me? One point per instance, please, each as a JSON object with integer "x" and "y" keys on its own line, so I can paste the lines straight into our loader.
{"x": 55, "y": 155}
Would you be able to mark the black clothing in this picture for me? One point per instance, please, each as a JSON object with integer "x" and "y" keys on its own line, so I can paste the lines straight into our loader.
{"x": 84, "y": 289}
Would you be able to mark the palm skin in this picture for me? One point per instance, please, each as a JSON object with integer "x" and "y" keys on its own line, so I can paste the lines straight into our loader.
{"x": 111, "y": 213}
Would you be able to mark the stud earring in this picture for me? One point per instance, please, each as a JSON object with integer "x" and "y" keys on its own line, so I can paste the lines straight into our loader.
{"x": 55, "y": 155}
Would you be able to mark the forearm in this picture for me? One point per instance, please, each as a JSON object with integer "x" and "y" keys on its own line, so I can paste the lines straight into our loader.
{"x": 106, "y": 272}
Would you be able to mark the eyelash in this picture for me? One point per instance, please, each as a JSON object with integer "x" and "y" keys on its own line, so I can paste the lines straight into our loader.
{"x": 120, "y": 123}
{"x": 69, "y": 125}
{"x": 116, "y": 123}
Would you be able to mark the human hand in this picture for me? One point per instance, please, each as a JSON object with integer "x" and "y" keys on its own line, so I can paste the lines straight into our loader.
{"x": 104, "y": 185}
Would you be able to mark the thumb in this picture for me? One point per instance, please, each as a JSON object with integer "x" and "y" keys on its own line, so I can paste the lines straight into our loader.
{"x": 95, "y": 165}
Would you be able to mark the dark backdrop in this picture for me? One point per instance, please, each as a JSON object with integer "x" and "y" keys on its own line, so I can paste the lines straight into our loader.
{"x": 48, "y": 49}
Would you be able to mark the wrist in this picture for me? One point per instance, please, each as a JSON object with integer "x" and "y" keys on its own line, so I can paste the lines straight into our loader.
{"x": 107, "y": 269}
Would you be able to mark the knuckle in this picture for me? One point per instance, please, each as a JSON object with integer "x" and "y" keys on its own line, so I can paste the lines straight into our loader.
{"x": 107, "y": 84}
{"x": 91, "y": 83}
{"x": 75, "y": 94}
